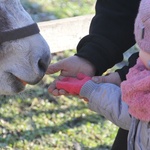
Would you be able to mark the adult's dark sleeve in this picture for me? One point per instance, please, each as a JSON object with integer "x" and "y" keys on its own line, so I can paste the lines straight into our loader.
{"x": 110, "y": 34}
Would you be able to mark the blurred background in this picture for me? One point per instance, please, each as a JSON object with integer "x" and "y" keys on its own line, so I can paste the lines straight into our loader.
{"x": 43, "y": 10}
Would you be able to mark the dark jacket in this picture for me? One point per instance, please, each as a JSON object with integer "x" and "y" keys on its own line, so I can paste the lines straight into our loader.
{"x": 110, "y": 34}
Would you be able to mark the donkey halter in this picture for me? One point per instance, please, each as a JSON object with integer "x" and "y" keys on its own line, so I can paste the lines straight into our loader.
{"x": 19, "y": 33}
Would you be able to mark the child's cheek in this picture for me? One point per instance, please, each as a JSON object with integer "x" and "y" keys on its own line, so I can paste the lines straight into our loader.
{"x": 145, "y": 58}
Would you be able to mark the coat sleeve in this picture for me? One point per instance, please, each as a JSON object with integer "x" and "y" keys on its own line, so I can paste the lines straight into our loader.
{"x": 105, "y": 99}
{"x": 110, "y": 34}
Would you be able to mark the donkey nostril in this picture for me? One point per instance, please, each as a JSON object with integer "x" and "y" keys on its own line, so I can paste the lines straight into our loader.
{"x": 42, "y": 65}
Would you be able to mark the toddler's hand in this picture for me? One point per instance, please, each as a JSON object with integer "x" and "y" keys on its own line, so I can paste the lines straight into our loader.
{"x": 72, "y": 85}
{"x": 110, "y": 78}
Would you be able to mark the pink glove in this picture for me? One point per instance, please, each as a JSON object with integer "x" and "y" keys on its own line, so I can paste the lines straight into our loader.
{"x": 73, "y": 85}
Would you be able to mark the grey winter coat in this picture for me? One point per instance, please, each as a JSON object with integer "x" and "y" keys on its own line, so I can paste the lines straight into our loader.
{"x": 105, "y": 99}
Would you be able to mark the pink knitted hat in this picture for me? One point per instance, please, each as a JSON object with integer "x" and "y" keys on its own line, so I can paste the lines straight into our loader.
{"x": 142, "y": 26}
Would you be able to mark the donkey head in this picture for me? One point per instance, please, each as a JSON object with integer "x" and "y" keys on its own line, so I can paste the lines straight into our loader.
{"x": 23, "y": 60}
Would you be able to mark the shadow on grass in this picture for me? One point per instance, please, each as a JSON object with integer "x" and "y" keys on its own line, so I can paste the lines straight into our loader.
{"x": 33, "y": 112}
{"x": 100, "y": 147}
{"x": 30, "y": 135}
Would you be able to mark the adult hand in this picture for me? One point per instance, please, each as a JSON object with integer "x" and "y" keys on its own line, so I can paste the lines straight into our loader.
{"x": 70, "y": 66}
{"x": 111, "y": 78}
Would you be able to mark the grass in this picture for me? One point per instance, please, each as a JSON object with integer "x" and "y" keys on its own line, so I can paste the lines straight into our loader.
{"x": 35, "y": 120}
